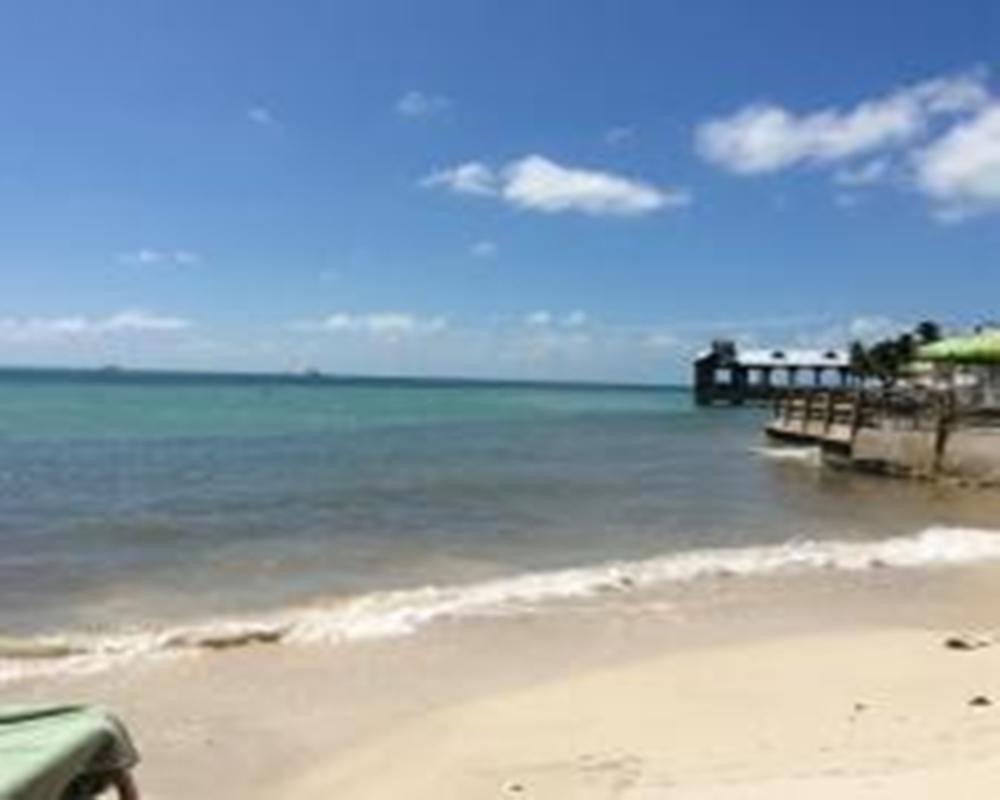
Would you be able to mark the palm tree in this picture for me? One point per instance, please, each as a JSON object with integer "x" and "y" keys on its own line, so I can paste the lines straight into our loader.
{"x": 860, "y": 363}
{"x": 885, "y": 359}
{"x": 928, "y": 331}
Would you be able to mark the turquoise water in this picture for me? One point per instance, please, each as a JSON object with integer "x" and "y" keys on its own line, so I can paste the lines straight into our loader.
{"x": 130, "y": 499}
{"x": 44, "y": 405}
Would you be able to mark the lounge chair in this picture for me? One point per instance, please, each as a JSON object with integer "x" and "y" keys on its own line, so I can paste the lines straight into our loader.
{"x": 64, "y": 753}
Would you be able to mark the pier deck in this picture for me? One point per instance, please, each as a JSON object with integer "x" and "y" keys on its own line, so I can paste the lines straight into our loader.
{"x": 923, "y": 436}
{"x": 827, "y": 418}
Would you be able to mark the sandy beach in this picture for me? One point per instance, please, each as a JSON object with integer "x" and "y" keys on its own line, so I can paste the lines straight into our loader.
{"x": 821, "y": 685}
{"x": 866, "y": 715}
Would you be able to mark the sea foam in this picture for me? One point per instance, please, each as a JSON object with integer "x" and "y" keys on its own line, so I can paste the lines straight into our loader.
{"x": 398, "y": 613}
{"x": 805, "y": 455}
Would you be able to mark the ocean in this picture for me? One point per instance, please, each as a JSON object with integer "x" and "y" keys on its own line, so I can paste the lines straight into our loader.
{"x": 143, "y": 511}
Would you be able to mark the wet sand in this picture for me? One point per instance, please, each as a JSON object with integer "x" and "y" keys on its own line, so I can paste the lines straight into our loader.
{"x": 823, "y": 685}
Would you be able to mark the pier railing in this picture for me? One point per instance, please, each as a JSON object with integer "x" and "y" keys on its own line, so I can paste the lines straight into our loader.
{"x": 826, "y": 408}
{"x": 913, "y": 431}
{"x": 844, "y": 411}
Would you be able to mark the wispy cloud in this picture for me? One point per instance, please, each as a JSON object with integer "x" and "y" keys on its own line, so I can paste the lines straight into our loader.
{"x": 259, "y": 115}
{"x": 846, "y": 200}
{"x": 388, "y": 326}
{"x": 620, "y": 136}
{"x": 34, "y": 329}
{"x": 872, "y": 328}
{"x": 567, "y": 343}
{"x": 863, "y": 174}
{"x": 550, "y": 319}
{"x": 661, "y": 341}
{"x": 472, "y": 177}
{"x": 536, "y": 183}
{"x": 837, "y": 333}
{"x": 538, "y": 319}
{"x": 148, "y": 256}
{"x": 484, "y": 248}
{"x": 422, "y": 105}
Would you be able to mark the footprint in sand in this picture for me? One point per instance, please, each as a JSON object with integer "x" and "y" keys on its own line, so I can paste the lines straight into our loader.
{"x": 604, "y": 775}
{"x": 621, "y": 771}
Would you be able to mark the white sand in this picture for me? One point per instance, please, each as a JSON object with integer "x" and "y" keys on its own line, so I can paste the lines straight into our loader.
{"x": 854, "y": 715}
{"x": 829, "y": 686}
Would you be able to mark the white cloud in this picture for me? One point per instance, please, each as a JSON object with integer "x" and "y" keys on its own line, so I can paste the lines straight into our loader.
{"x": 537, "y": 183}
{"x": 573, "y": 345}
{"x": 538, "y": 319}
{"x": 333, "y": 322}
{"x": 661, "y": 341}
{"x": 839, "y": 334}
{"x": 940, "y": 138}
{"x": 484, "y": 248}
{"x": 548, "y": 345}
{"x": 544, "y": 319}
{"x": 765, "y": 137}
{"x": 397, "y": 324}
{"x": 148, "y": 256}
{"x": 472, "y": 177}
{"x": 873, "y": 328}
{"x": 724, "y": 327}
{"x": 846, "y": 200}
{"x": 416, "y": 104}
{"x": 186, "y": 257}
{"x": 864, "y": 174}
{"x": 261, "y": 116}
{"x": 961, "y": 170}
{"x": 389, "y": 326}
{"x": 36, "y": 329}
{"x": 138, "y": 320}
{"x": 954, "y": 93}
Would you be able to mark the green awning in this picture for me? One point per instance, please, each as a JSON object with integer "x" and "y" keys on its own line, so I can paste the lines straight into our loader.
{"x": 983, "y": 348}
{"x": 46, "y": 752}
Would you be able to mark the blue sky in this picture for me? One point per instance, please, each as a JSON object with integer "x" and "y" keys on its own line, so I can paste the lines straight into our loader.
{"x": 534, "y": 189}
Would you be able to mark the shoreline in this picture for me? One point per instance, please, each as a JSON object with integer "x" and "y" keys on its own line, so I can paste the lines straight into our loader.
{"x": 596, "y": 689}
{"x": 407, "y": 611}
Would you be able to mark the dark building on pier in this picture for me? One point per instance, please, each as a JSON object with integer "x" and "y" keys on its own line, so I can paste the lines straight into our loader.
{"x": 729, "y": 374}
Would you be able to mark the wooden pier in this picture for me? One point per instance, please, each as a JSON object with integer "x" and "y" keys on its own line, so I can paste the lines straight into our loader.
{"x": 828, "y": 418}
{"x": 904, "y": 433}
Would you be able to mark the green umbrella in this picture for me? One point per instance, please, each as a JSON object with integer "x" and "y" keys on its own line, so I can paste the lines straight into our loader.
{"x": 983, "y": 348}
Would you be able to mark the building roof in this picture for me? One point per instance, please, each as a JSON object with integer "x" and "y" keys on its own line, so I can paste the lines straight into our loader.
{"x": 798, "y": 358}
{"x": 779, "y": 357}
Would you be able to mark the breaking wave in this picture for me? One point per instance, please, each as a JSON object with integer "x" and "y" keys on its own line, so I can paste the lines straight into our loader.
{"x": 398, "y": 613}
{"x": 802, "y": 455}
